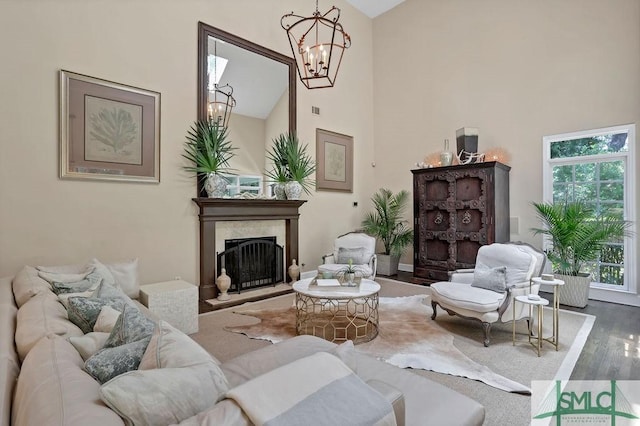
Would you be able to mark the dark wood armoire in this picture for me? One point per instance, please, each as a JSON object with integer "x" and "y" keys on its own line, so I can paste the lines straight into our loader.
{"x": 456, "y": 210}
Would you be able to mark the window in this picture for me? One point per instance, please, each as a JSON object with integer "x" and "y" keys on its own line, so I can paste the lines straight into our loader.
{"x": 597, "y": 168}
{"x": 243, "y": 184}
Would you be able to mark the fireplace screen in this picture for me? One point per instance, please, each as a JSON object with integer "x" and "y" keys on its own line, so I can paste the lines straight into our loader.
{"x": 252, "y": 263}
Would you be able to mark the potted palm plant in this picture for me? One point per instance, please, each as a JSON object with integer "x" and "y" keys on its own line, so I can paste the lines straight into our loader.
{"x": 208, "y": 152}
{"x": 577, "y": 234}
{"x": 292, "y": 166}
{"x": 387, "y": 224}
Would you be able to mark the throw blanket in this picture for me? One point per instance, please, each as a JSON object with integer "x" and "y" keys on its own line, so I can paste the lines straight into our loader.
{"x": 319, "y": 388}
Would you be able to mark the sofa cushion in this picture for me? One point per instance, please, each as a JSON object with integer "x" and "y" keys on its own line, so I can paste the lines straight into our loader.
{"x": 111, "y": 362}
{"x": 467, "y": 297}
{"x": 27, "y": 284}
{"x": 40, "y": 316}
{"x": 84, "y": 311}
{"x": 53, "y": 389}
{"x": 166, "y": 395}
{"x": 170, "y": 347}
{"x": 494, "y": 279}
{"x": 89, "y": 344}
{"x": 225, "y": 412}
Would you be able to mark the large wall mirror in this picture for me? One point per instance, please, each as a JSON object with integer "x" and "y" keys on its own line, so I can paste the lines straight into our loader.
{"x": 264, "y": 89}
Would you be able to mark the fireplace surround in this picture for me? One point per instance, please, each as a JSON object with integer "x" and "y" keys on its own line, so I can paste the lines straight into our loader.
{"x": 212, "y": 210}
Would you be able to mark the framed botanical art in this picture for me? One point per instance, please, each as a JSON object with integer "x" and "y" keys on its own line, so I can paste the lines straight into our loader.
{"x": 334, "y": 158}
{"x": 108, "y": 131}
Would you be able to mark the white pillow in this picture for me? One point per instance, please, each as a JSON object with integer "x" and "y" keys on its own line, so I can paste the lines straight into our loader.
{"x": 106, "y": 319}
{"x": 166, "y": 395}
{"x": 89, "y": 344}
{"x": 125, "y": 275}
{"x": 65, "y": 269}
{"x": 63, "y": 277}
{"x": 170, "y": 347}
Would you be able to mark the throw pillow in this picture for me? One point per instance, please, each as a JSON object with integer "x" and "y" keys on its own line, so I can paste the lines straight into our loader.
{"x": 103, "y": 271}
{"x": 494, "y": 279}
{"x": 106, "y": 319}
{"x": 170, "y": 347}
{"x": 347, "y": 354}
{"x": 64, "y": 297}
{"x": 131, "y": 326}
{"x": 108, "y": 291}
{"x": 126, "y": 277}
{"x": 110, "y": 362}
{"x": 357, "y": 255}
{"x": 74, "y": 287}
{"x": 84, "y": 311}
{"x": 52, "y": 277}
{"x": 89, "y": 344}
{"x": 66, "y": 269}
{"x": 164, "y": 396}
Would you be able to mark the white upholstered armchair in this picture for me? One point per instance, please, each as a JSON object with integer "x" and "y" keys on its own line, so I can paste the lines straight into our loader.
{"x": 502, "y": 272}
{"x": 358, "y": 247}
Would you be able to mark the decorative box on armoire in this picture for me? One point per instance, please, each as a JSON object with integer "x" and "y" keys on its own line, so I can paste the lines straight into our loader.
{"x": 456, "y": 210}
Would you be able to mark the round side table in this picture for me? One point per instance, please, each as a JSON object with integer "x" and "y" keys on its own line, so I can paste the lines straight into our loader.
{"x": 555, "y": 338}
{"x": 539, "y": 303}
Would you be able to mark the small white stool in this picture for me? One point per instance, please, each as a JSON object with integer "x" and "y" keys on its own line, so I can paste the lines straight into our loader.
{"x": 539, "y": 304}
{"x": 175, "y": 302}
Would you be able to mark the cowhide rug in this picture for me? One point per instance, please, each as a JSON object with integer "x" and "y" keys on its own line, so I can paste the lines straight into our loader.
{"x": 407, "y": 338}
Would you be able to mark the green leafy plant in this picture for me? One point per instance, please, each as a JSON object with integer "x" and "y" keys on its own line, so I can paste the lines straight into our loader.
{"x": 350, "y": 269}
{"x": 577, "y": 233}
{"x": 278, "y": 156}
{"x": 386, "y": 222}
{"x": 208, "y": 149}
{"x": 291, "y": 162}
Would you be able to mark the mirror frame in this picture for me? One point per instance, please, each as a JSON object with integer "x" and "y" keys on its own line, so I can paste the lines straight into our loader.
{"x": 204, "y": 31}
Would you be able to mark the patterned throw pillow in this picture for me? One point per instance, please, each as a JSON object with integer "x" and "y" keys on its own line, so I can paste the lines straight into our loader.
{"x": 357, "y": 255}
{"x": 131, "y": 326}
{"x": 84, "y": 311}
{"x": 494, "y": 279}
{"x": 108, "y": 363}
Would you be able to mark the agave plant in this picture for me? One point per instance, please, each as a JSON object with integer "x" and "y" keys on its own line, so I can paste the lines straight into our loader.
{"x": 386, "y": 222}
{"x": 291, "y": 162}
{"x": 577, "y": 233}
{"x": 208, "y": 149}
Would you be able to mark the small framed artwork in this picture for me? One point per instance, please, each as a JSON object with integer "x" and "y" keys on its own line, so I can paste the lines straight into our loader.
{"x": 108, "y": 131}
{"x": 334, "y": 158}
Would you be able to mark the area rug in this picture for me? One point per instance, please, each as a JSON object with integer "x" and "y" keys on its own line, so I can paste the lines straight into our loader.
{"x": 407, "y": 338}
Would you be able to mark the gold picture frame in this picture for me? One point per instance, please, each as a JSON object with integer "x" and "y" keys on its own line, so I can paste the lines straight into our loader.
{"x": 334, "y": 159}
{"x": 108, "y": 131}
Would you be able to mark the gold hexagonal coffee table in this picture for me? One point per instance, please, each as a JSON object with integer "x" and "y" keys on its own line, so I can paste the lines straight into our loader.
{"x": 337, "y": 315}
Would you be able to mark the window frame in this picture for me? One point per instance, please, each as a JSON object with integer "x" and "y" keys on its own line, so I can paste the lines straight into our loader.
{"x": 628, "y": 157}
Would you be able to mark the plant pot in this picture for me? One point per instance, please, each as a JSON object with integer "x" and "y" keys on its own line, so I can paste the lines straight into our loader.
{"x": 293, "y": 190}
{"x": 575, "y": 291}
{"x": 215, "y": 185}
{"x": 278, "y": 190}
{"x": 387, "y": 264}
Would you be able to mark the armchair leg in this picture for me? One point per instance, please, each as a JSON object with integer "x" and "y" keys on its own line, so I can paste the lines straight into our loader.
{"x": 433, "y": 307}
{"x": 487, "y": 333}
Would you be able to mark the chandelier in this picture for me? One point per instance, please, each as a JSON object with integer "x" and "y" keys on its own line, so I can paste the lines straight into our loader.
{"x": 221, "y": 102}
{"x": 317, "y": 43}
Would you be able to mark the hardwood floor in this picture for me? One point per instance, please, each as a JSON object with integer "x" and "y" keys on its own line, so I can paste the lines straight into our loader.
{"x": 612, "y": 350}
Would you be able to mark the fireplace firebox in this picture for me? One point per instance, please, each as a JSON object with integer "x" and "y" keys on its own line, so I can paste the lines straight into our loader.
{"x": 252, "y": 263}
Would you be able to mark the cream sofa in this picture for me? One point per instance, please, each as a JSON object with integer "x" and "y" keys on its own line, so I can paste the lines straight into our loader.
{"x": 53, "y": 388}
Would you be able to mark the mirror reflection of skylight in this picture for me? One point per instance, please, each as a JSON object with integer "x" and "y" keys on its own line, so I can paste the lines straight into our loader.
{"x": 215, "y": 66}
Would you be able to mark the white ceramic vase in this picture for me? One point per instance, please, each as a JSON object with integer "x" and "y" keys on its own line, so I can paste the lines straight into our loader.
{"x": 215, "y": 185}
{"x": 293, "y": 190}
{"x": 446, "y": 156}
{"x": 294, "y": 271}
{"x": 278, "y": 190}
{"x": 223, "y": 282}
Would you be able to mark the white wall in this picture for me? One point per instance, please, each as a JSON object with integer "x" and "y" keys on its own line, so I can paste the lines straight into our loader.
{"x": 148, "y": 44}
{"x": 516, "y": 69}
